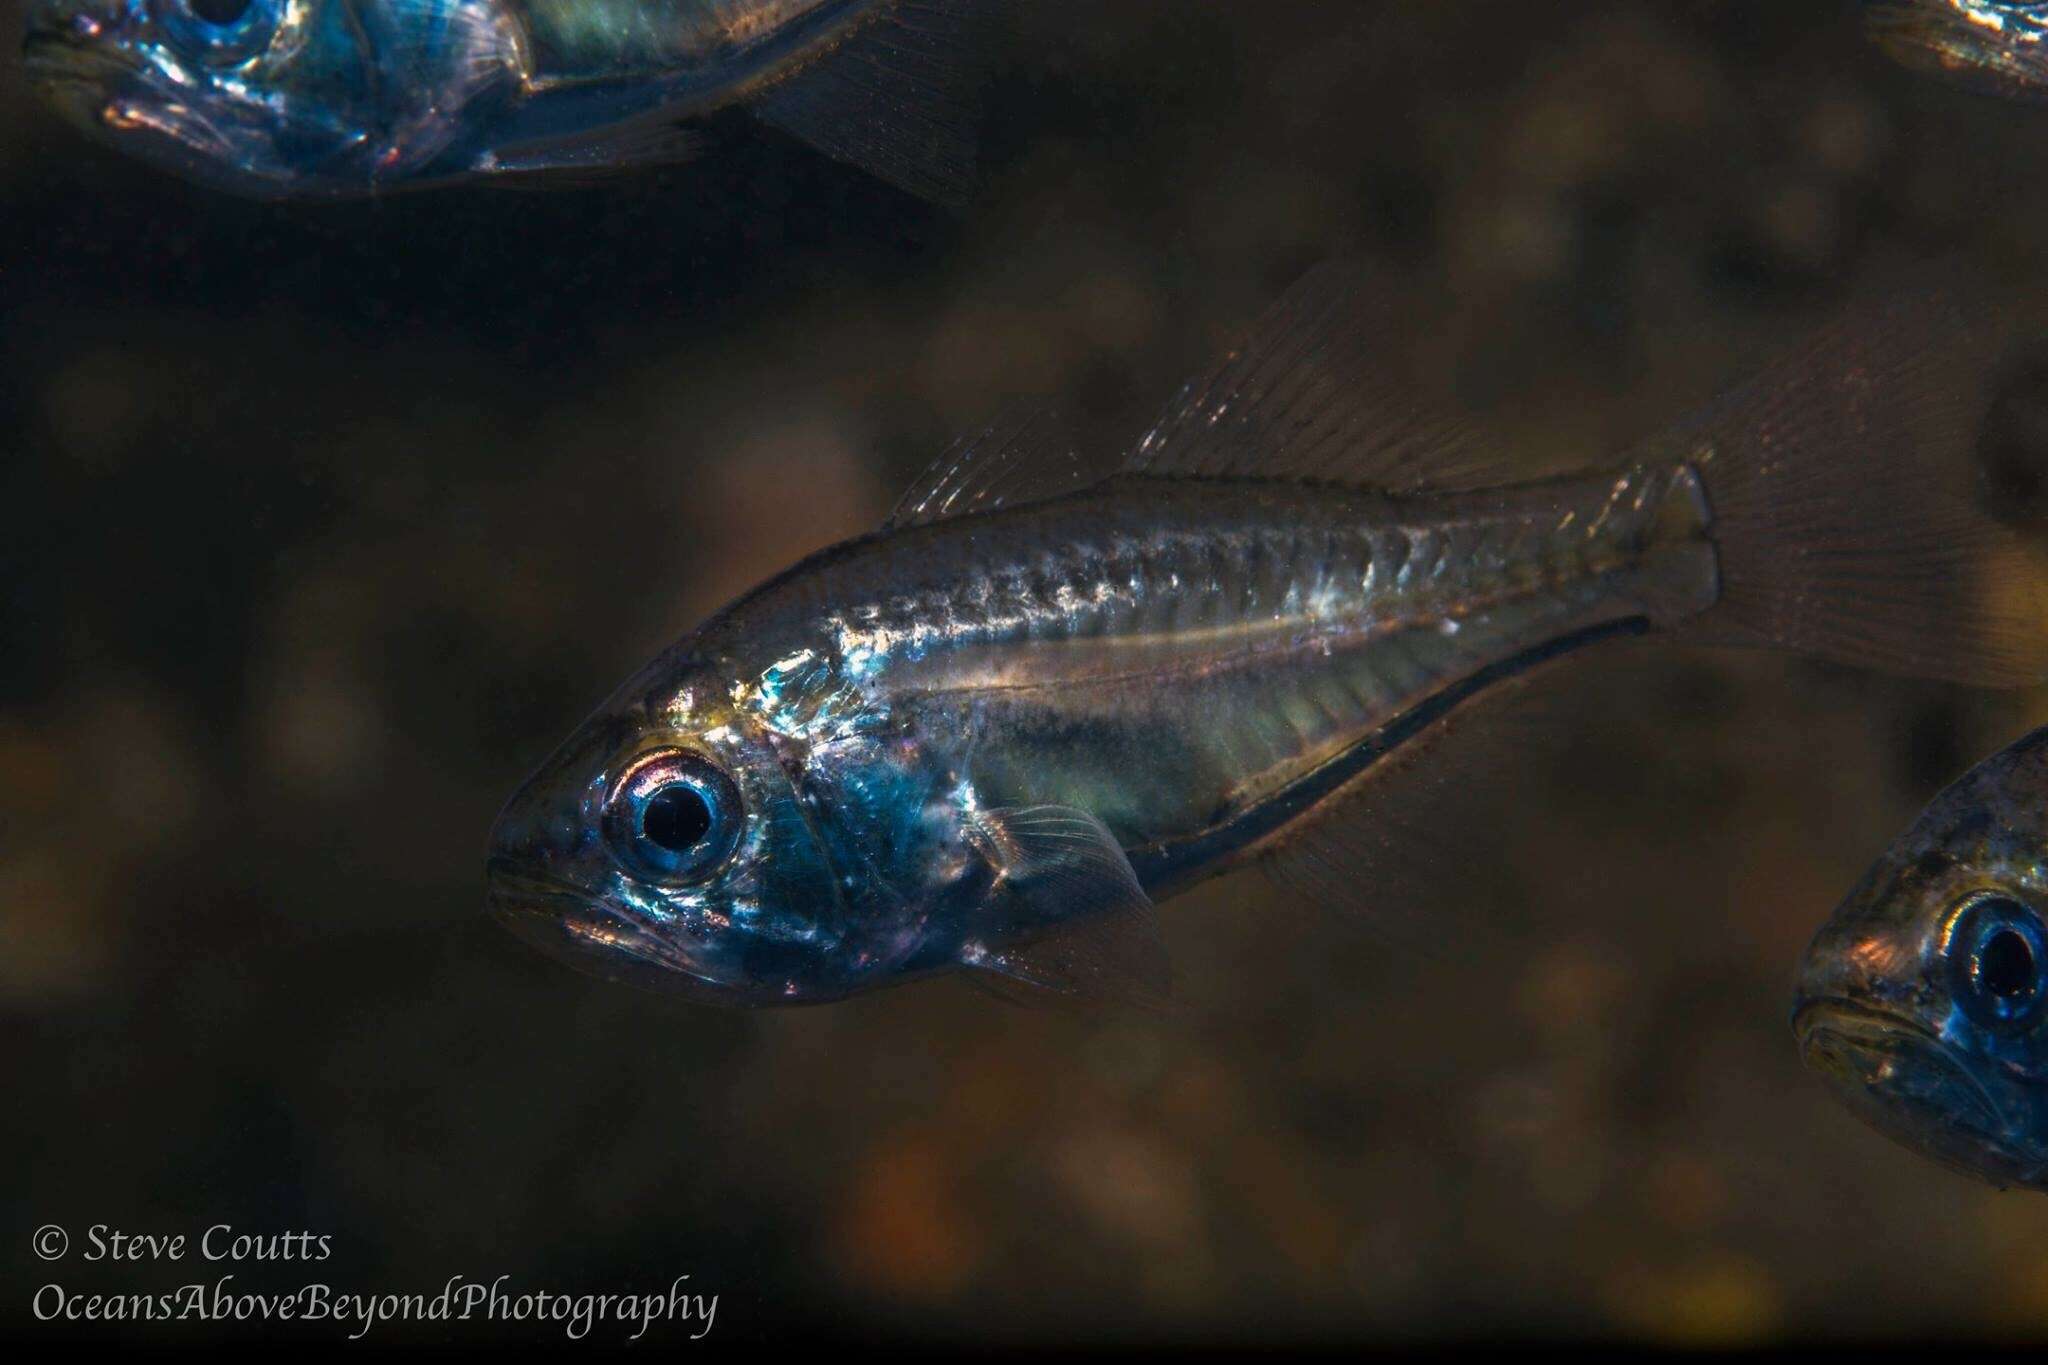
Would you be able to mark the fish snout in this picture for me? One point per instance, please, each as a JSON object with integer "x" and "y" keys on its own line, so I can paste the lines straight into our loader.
{"x": 535, "y": 841}
{"x": 1857, "y": 958}
{"x": 54, "y": 27}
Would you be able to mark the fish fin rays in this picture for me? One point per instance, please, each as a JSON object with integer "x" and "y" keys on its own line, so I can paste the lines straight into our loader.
{"x": 1310, "y": 396}
{"x": 1842, "y": 519}
{"x": 899, "y": 96}
{"x": 1067, "y": 924}
{"x": 593, "y": 158}
{"x": 1025, "y": 456}
{"x": 1414, "y": 844}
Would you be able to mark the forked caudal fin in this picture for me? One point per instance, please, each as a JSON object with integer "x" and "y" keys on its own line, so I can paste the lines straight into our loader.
{"x": 1841, "y": 515}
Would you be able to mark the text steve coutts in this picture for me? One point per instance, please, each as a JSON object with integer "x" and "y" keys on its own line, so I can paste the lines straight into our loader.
{"x": 458, "y": 1299}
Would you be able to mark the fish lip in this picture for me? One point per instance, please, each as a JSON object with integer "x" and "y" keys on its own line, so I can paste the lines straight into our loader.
{"x": 51, "y": 52}
{"x": 73, "y": 76}
{"x": 512, "y": 893}
{"x": 105, "y": 88}
{"x": 586, "y": 931}
{"x": 1854, "y": 1046}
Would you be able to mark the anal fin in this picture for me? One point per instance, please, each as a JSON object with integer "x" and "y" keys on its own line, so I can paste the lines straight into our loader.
{"x": 1415, "y": 846}
{"x": 599, "y": 158}
{"x": 898, "y": 96}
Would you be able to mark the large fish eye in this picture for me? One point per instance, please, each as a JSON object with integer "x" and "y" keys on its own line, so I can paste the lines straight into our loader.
{"x": 672, "y": 817}
{"x": 1997, "y": 952}
{"x": 219, "y": 32}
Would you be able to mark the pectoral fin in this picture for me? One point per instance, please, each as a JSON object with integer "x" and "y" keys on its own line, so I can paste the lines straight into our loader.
{"x": 1066, "y": 921}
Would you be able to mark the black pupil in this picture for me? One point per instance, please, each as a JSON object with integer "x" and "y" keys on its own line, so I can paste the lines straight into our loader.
{"x": 677, "y": 819}
{"x": 220, "y": 12}
{"x": 2006, "y": 966}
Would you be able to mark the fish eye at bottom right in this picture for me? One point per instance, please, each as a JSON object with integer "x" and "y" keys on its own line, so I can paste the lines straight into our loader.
{"x": 1923, "y": 1002}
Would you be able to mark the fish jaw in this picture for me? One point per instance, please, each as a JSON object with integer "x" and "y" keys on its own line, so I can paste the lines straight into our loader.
{"x": 320, "y": 99}
{"x": 108, "y": 69}
{"x": 1983, "y": 45}
{"x": 1908, "y": 1083}
{"x": 597, "y": 936}
{"x": 81, "y": 59}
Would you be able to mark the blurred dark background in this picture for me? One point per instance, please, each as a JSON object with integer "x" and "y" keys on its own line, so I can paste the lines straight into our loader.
{"x": 324, "y": 524}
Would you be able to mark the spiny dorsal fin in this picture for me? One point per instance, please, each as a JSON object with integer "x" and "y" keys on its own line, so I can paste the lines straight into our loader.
{"x": 1025, "y": 456}
{"x": 898, "y": 97}
{"x": 1309, "y": 396}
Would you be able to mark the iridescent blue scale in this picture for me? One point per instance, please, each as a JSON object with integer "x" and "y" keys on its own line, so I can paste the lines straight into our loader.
{"x": 299, "y": 98}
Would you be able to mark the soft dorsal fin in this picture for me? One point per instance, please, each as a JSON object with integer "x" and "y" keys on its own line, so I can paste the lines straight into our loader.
{"x": 1026, "y": 456}
{"x": 899, "y": 96}
{"x": 1309, "y": 396}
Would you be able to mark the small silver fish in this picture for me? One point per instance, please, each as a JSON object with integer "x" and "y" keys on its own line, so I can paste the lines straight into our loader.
{"x": 989, "y": 738}
{"x": 300, "y": 98}
{"x": 1924, "y": 1001}
{"x": 1997, "y": 47}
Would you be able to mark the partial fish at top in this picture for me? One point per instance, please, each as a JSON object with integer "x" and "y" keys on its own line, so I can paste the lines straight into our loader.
{"x": 294, "y": 98}
{"x": 990, "y": 737}
{"x": 1997, "y": 47}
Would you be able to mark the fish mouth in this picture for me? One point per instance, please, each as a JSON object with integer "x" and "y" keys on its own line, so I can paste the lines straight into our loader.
{"x": 104, "y": 90}
{"x": 589, "y": 934}
{"x": 1904, "y": 1081}
{"x": 63, "y": 66}
{"x": 1989, "y": 55}
{"x": 111, "y": 94}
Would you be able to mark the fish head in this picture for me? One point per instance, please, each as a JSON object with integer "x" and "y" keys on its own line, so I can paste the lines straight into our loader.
{"x": 1997, "y": 47}
{"x": 665, "y": 846}
{"x": 273, "y": 98}
{"x": 1923, "y": 1001}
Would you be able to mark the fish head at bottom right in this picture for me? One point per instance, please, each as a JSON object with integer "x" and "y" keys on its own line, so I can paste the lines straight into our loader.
{"x": 1923, "y": 1002}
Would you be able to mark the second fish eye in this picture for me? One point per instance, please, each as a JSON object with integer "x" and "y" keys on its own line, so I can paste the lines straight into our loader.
{"x": 2005, "y": 966}
{"x": 218, "y": 32}
{"x": 676, "y": 818}
{"x": 220, "y": 13}
{"x": 1998, "y": 949}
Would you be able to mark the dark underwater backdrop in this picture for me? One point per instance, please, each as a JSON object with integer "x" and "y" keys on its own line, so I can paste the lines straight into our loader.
{"x": 323, "y": 524}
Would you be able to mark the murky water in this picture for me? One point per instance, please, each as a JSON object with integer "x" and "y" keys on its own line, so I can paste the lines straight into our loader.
{"x": 325, "y": 523}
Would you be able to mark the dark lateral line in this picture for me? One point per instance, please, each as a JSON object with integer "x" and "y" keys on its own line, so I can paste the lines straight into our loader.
{"x": 1164, "y": 869}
